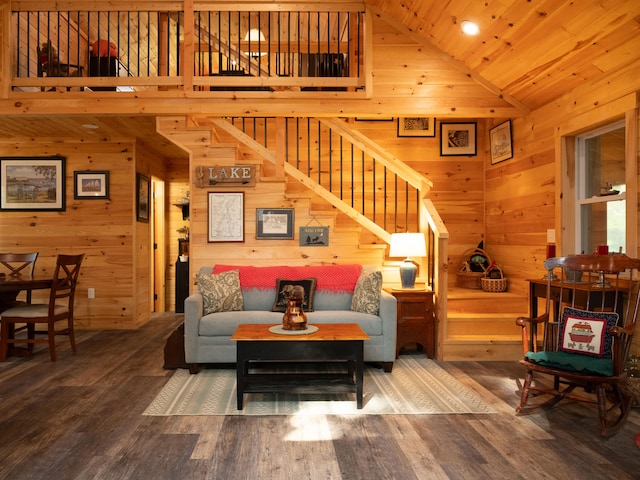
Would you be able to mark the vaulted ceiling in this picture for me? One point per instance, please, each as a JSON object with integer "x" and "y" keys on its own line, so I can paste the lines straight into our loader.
{"x": 531, "y": 51}
{"x": 527, "y": 53}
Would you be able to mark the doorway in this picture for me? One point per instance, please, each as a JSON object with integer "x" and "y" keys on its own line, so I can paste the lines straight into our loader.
{"x": 158, "y": 262}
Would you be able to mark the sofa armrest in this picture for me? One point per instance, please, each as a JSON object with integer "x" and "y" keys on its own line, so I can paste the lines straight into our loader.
{"x": 389, "y": 314}
{"x": 193, "y": 310}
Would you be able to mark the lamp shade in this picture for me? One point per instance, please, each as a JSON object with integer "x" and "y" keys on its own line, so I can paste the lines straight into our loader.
{"x": 255, "y": 36}
{"x": 408, "y": 245}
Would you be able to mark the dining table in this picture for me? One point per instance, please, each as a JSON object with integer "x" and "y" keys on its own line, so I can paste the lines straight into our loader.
{"x": 10, "y": 288}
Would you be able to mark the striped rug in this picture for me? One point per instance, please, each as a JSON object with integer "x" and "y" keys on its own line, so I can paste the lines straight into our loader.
{"x": 416, "y": 385}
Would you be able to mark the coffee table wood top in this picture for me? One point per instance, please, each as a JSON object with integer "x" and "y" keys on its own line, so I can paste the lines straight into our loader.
{"x": 330, "y": 331}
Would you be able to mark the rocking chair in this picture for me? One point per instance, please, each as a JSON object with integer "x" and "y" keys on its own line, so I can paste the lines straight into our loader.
{"x": 582, "y": 340}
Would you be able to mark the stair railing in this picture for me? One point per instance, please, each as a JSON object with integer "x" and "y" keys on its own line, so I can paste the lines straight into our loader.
{"x": 354, "y": 174}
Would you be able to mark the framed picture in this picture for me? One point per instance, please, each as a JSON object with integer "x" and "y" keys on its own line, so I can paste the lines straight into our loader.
{"x": 90, "y": 184}
{"x": 416, "y": 127}
{"x": 32, "y": 183}
{"x": 458, "y": 139}
{"x": 274, "y": 223}
{"x": 314, "y": 236}
{"x": 501, "y": 142}
{"x": 143, "y": 194}
{"x": 226, "y": 217}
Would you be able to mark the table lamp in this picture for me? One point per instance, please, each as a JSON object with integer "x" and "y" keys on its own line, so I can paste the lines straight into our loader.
{"x": 408, "y": 245}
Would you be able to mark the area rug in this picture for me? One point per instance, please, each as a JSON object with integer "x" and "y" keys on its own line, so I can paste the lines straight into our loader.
{"x": 416, "y": 385}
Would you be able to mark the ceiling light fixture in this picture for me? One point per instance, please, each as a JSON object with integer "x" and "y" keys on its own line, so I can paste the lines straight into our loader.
{"x": 91, "y": 126}
{"x": 469, "y": 27}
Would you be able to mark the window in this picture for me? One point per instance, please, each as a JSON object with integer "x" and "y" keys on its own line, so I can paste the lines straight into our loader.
{"x": 601, "y": 189}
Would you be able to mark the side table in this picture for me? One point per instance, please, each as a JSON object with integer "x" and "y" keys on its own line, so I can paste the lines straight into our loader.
{"x": 416, "y": 321}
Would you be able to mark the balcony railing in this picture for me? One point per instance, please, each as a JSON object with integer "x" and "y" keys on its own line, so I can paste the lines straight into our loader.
{"x": 200, "y": 50}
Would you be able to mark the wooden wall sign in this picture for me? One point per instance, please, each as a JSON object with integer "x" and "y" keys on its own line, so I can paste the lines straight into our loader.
{"x": 225, "y": 175}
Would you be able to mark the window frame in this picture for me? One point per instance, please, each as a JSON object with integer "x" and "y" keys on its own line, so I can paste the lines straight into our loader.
{"x": 580, "y": 196}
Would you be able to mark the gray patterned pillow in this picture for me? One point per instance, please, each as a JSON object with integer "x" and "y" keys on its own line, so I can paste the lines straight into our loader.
{"x": 366, "y": 296}
{"x": 220, "y": 292}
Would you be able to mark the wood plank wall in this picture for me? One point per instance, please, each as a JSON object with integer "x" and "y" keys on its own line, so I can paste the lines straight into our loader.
{"x": 269, "y": 192}
{"x": 106, "y": 231}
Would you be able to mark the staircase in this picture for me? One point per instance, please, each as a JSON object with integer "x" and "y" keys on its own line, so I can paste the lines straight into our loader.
{"x": 315, "y": 178}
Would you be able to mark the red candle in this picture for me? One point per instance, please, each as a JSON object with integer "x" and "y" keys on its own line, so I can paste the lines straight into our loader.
{"x": 603, "y": 249}
{"x": 551, "y": 250}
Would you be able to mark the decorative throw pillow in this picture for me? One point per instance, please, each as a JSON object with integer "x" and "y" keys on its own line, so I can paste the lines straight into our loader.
{"x": 366, "y": 296}
{"x": 586, "y": 332}
{"x": 220, "y": 292}
{"x": 284, "y": 288}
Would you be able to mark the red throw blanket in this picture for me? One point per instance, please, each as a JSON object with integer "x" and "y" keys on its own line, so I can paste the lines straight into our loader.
{"x": 332, "y": 278}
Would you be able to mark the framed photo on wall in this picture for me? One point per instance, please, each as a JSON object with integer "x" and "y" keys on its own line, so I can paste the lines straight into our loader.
{"x": 274, "y": 223}
{"x": 226, "y": 217}
{"x": 416, "y": 127}
{"x": 143, "y": 194}
{"x": 501, "y": 142}
{"x": 32, "y": 183}
{"x": 90, "y": 184}
{"x": 458, "y": 139}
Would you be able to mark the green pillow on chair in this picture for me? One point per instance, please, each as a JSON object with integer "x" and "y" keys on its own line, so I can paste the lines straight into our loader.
{"x": 575, "y": 362}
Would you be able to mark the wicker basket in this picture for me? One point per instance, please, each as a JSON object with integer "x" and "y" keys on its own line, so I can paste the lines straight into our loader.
{"x": 631, "y": 386}
{"x": 465, "y": 278}
{"x": 490, "y": 284}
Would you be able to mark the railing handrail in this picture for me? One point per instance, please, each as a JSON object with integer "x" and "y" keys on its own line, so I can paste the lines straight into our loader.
{"x": 194, "y": 46}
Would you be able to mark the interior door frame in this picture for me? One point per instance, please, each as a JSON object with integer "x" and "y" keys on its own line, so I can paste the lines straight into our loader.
{"x": 158, "y": 246}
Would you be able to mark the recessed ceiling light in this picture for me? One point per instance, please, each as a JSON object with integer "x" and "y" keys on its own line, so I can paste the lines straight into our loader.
{"x": 469, "y": 28}
{"x": 91, "y": 126}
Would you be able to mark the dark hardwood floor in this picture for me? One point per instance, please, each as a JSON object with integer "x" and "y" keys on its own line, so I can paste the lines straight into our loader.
{"x": 81, "y": 418}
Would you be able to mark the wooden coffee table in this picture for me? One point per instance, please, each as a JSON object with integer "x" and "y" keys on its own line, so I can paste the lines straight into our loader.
{"x": 342, "y": 342}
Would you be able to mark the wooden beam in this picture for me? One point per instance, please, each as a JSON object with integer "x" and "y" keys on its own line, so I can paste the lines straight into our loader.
{"x": 242, "y": 104}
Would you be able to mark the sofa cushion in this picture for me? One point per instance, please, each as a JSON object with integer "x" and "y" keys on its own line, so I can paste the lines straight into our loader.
{"x": 366, "y": 297}
{"x": 221, "y": 292}
{"x": 225, "y": 323}
{"x": 283, "y": 286}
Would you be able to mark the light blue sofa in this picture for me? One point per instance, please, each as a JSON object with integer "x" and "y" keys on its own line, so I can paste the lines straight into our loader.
{"x": 207, "y": 338}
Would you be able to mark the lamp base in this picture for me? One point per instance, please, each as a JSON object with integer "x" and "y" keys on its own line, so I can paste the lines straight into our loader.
{"x": 408, "y": 272}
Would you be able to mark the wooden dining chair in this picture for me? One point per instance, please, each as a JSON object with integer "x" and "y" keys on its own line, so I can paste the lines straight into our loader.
{"x": 18, "y": 264}
{"x": 583, "y": 338}
{"x": 59, "y": 308}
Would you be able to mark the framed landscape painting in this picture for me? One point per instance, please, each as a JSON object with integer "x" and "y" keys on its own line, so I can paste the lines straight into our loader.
{"x": 32, "y": 183}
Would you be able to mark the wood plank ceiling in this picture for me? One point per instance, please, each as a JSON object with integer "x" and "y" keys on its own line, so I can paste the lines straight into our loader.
{"x": 530, "y": 52}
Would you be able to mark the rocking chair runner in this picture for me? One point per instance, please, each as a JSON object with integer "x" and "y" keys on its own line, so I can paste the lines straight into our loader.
{"x": 586, "y": 333}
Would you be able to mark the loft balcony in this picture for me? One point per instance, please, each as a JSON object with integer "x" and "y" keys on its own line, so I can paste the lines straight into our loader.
{"x": 206, "y": 49}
